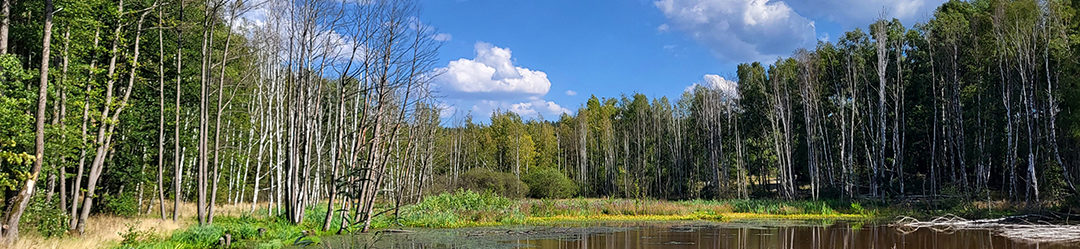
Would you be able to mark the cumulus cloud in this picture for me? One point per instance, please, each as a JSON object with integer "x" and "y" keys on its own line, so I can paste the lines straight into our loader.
{"x": 534, "y": 108}
{"x": 741, "y": 30}
{"x": 861, "y": 13}
{"x": 663, "y": 27}
{"x": 538, "y": 108}
{"x": 491, "y": 81}
{"x": 491, "y": 73}
{"x": 715, "y": 82}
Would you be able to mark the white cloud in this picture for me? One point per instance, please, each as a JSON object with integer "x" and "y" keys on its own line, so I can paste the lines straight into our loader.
{"x": 491, "y": 74}
{"x": 528, "y": 109}
{"x": 729, "y": 88}
{"x": 741, "y": 30}
{"x": 663, "y": 27}
{"x": 823, "y": 37}
{"x": 446, "y": 110}
{"x": 537, "y": 108}
{"x": 443, "y": 37}
{"x": 860, "y": 13}
{"x": 491, "y": 82}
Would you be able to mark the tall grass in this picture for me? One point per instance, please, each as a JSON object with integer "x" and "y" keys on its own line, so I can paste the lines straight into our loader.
{"x": 461, "y": 208}
{"x": 243, "y": 229}
{"x": 631, "y": 207}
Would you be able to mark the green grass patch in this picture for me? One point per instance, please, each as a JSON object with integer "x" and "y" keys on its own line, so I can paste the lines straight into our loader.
{"x": 460, "y": 209}
{"x": 244, "y": 230}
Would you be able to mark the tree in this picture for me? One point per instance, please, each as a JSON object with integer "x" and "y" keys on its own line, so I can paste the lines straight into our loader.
{"x": 17, "y": 205}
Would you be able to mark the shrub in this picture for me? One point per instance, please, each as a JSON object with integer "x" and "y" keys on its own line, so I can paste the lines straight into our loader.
{"x": 123, "y": 205}
{"x": 133, "y": 235}
{"x": 548, "y": 182}
{"x": 46, "y": 218}
{"x": 487, "y": 180}
{"x": 1054, "y": 188}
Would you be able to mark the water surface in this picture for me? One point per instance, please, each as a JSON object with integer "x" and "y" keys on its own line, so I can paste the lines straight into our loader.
{"x": 671, "y": 235}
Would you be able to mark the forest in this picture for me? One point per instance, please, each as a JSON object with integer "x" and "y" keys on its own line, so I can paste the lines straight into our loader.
{"x": 140, "y": 106}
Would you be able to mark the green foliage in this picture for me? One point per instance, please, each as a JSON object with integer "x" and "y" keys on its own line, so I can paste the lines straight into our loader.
{"x": 121, "y": 205}
{"x": 46, "y": 218}
{"x": 487, "y": 180}
{"x": 784, "y": 207}
{"x": 460, "y": 208}
{"x": 16, "y": 132}
{"x": 858, "y": 208}
{"x": 199, "y": 236}
{"x": 549, "y": 182}
{"x": 133, "y": 236}
{"x": 1054, "y": 188}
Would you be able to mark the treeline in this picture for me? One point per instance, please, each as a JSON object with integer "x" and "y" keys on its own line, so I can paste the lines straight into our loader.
{"x": 978, "y": 102}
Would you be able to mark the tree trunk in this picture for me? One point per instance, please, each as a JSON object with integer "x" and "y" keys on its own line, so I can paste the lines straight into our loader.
{"x": 161, "y": 117}
{"x": 105, "y": 131}
{"x": 17, "y": 204}
{"x": 178, "y": 162}
{"x": 76, "y": 187}
{"x": 217, "y": 121}
{"x": 63, "y": 114}
{"x": 5, "y": 11}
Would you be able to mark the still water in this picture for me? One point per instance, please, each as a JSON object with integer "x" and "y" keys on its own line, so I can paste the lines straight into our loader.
{"x": 667, "y": 235}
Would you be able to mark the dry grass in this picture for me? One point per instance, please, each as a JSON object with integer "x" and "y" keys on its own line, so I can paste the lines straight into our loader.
{"x": 999, "y": 205}
{"x": 103, "y": 231}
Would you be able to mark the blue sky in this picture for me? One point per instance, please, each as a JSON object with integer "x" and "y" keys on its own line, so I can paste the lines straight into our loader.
{"x": 542, "y": 58}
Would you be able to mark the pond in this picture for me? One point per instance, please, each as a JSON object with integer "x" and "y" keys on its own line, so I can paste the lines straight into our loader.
{"x": 733, "y": 235}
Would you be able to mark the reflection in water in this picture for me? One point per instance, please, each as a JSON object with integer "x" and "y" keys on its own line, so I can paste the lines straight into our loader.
{"x": 838, "y": 236}
{"x": 720, "y": 235}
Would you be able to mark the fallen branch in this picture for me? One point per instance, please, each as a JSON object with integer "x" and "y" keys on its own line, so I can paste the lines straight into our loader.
{"x": 1032, "y": 228}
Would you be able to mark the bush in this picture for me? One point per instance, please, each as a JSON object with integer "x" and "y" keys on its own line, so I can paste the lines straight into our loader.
{"x": 47, "y": 219}
{"x": 133, "y": 235}
{"x": 123, "y": 205}
{"x": 548, "y": 182}
{"x": 487, "y": 180}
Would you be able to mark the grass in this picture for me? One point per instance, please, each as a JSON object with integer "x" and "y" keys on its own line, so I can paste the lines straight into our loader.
{"x": 105, "y": 231}
{"x": 459, "y": 209}
{"x": 543, "y": 211}
{"x": 101, "y": 231}
{"x": 244, "y": 230}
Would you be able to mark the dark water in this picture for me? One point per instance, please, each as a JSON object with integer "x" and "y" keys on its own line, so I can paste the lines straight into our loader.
{"x": 742, "y": 235}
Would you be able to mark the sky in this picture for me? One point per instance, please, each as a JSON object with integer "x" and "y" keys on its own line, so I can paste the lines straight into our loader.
{"x": 542, "y": 58}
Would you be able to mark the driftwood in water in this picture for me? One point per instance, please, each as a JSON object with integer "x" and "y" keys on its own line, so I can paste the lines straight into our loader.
{"x": 1033, "y": 228}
